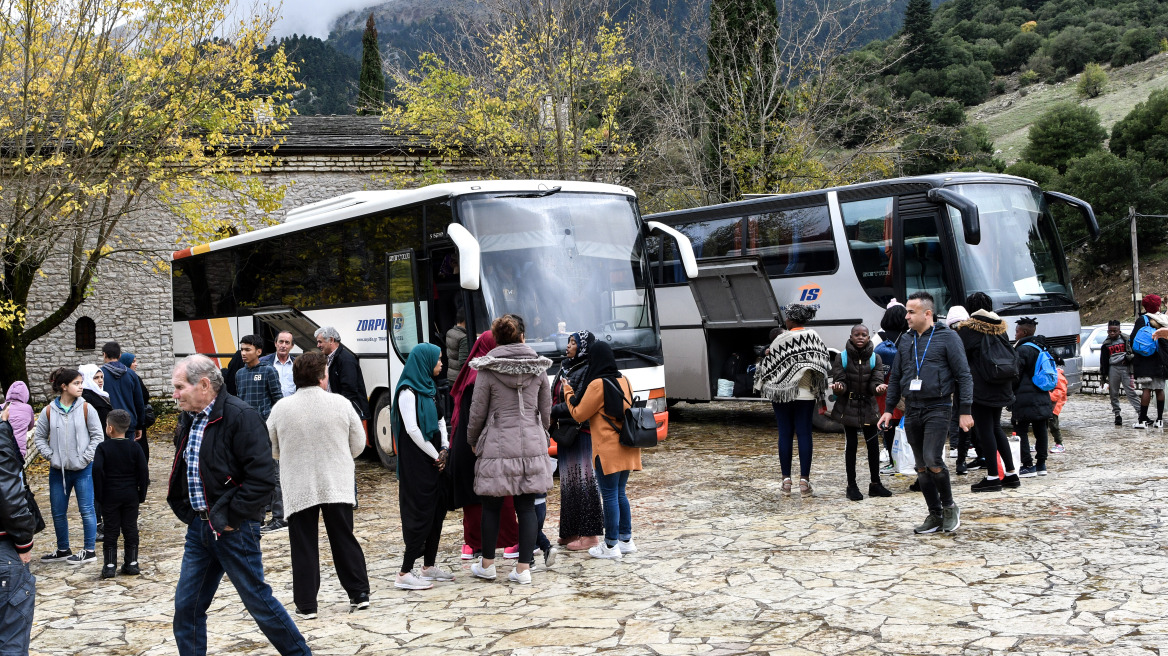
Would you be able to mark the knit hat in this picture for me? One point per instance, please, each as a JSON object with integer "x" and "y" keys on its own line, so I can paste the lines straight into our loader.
{"x": 1151, "y": 303}
{"x": 956, "y": 313}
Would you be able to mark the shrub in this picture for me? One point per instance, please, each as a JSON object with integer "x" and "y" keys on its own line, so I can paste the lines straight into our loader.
{"x": 1092, "y": 81}
{"x": 1028, "y": 78}
{"x": 1066, "y": 132}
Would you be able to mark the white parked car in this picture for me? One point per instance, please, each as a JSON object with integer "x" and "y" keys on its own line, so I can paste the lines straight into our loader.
{"x": 1092, "y": 341}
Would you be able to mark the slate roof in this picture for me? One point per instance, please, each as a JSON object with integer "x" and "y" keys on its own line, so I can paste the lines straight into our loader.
{"x": 346, "y": 135}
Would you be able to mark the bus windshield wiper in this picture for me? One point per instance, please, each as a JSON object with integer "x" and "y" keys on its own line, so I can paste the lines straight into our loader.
{"x": 535, "y": 194}
{"x": 1046, "y": 296}
{"x": 644, "y": 356}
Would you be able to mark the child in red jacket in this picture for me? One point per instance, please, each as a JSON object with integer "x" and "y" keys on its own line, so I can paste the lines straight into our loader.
{"x": 1059, "y": 396}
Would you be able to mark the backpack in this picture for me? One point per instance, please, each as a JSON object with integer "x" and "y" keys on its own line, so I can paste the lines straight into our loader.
{"x": 997, "y": 361}
{"x": 1145, "y": 343}
{"x": 1045, "y": 375}
{"x": 844, "y": 360}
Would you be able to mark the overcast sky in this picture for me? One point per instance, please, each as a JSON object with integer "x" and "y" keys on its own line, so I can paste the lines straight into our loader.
{"x": 311, "y": 17}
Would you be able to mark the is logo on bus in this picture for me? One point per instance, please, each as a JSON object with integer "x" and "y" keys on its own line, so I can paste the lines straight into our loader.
{"x": 399, "y": 322}
{"x": 810, "y": 293}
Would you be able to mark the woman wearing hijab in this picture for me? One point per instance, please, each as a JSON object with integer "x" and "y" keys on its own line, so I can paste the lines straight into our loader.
{"x": 462, "y": 464}
{"x": 601, "y": 401}
{"x": 581, "y": 513}
{"x": 513, "y": 393}
{"x": 93, "y": 392}
{"x": 794, "y": 377}
{"x": 131, "y": 362}
{"x": 420, "y": 461}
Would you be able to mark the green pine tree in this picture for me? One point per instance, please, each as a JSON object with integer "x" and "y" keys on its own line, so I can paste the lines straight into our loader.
{"x": 371, "y": 86}
{"x": 921, "y": 39}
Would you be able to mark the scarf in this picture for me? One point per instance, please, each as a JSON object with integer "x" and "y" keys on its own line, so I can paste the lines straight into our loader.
{"x": 467, "y": 376}
{"x": 793, "y": 354}
{"x": 418, "y": 377}
{"x": 89, "y": 371}
{"x": 127, "y": 359}
{"x": 602, "y": 365}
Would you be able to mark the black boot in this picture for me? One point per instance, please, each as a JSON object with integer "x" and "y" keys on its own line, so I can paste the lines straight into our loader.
{"x": 130, "y": 565}
{"x": 110, "y": 568}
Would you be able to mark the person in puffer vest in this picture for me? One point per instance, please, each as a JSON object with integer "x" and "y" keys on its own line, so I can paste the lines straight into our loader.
{"x": 857, "y": 380}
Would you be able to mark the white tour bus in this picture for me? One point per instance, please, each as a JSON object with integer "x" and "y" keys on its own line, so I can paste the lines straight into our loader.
{"x": 848, "y": 251}
{"x": 389, "y": 269}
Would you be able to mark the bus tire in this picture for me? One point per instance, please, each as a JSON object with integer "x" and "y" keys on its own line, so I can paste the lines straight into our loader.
{"x": 381, "y": 430}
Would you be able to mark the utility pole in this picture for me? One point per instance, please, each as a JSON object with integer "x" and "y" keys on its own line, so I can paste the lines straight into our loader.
{"x": 1131, "y": 214}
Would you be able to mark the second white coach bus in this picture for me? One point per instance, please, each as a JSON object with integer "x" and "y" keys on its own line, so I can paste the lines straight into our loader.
{"x": 389, "y": 270}
{"x": 850, "y": 250}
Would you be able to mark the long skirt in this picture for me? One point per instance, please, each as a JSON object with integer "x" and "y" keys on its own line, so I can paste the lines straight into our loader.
{"x": 581, "y": 512}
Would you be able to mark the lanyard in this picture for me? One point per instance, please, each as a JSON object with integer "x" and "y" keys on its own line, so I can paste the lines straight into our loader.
{"x": 921, "y": 361}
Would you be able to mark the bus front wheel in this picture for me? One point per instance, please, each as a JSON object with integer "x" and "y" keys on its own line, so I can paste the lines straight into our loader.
{"x": 382, "y": 434}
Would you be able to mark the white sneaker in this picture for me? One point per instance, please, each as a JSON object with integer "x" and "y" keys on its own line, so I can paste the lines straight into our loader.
{"x": 952, "y": 453}
{"x": 549, "y": 557}
{"x": 436, "y": 573}
{"x": 410, "y": 581}
{"x": 626, "y": 546}
{"x": 481, "y": 572}
{"x": 602, "y": 550}
{"x": 1139, "y": 425}
{"x": 522, "y": 578}
{"x": 1159, "y": 423}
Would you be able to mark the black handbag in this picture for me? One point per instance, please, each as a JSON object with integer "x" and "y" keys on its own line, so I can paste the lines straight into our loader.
{"x": 565, "y": 434}
{"x": 640, "y": 427}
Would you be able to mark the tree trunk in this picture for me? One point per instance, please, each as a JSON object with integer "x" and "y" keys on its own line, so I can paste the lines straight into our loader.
{"x": 12, "y": 361}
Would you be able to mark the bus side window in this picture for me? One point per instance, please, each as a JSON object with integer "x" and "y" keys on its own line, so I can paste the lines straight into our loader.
{"x": 868, "y": 229}
{"x": 794, "y": 242}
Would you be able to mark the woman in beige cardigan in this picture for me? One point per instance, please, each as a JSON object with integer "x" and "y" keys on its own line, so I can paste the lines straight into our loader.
{"x": 316, "y": 435}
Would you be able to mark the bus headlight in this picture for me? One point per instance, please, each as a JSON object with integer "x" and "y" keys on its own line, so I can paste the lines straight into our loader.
{"x": 657, "y": 405}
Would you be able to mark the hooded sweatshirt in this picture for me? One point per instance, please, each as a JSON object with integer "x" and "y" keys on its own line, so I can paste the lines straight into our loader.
{"x": 20, "y": 414}
{"x": 973, "y": 332}
{"x": 68, "y": 439}
{"x": 509, "y": 416}
{"x": 125, "y": 393}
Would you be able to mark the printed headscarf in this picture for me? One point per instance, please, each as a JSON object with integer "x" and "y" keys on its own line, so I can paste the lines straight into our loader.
{"x": 602, "y": 364}
{"x": 467, "y": 376}
{"x": 89, "y": 371}
{"x": 418, "y": 376}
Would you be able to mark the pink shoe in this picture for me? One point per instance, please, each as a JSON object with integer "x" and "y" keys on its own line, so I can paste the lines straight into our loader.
{"x": 511, "y": 553}
{"x": 468, "y": 553}
{"x": 583, "y": 543}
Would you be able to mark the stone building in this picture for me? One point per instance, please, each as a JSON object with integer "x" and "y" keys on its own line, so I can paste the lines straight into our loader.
{"x": 321, "y": 157}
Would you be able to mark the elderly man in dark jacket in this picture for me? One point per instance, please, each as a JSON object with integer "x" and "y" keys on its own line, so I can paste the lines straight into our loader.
{"x": 344, "y": 373}
{"x": 930, "y": 364}
{"x": 18, "y": 596}
{"x": 222, "y": 477}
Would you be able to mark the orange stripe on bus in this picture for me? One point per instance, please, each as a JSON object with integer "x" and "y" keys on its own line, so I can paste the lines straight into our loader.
{"x": 201, "y": 248}
{"x": 201, "y": 332}
{"x": 224, "y": 341}
{"x": 178, "y": 255}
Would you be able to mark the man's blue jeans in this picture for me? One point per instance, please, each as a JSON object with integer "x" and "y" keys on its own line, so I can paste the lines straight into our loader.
{"x": 60, "y": 488}
{"x": 205, "y": 560}
{"x": 618, "y": 520}
{"x": 17, "y": 598}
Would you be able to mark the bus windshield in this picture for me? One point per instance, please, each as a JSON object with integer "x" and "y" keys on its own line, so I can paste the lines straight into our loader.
{"x": 1019, "y": 259}
{"x": 564, "y": 262}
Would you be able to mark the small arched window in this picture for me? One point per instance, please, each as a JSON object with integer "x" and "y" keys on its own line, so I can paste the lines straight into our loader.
{"x": 86, "y": 334}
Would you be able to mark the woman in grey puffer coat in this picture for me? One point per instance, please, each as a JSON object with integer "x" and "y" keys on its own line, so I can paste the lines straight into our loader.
{"x": 67, "y": 433}
{"x": 509, "y": 416}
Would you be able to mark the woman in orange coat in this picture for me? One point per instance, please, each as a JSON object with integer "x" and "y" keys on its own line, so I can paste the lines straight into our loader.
{"x": 606, "y": 394}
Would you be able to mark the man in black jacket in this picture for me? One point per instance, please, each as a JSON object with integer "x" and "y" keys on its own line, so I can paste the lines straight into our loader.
{"x": 18, "y": 595}
{"x": 930, "y": 363}
{"x": 344, "y": 373}
{"x": 221, "y": 479}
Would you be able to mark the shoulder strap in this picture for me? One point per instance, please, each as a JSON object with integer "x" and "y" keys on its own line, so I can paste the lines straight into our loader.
{"x": 622, "y": 392}
{"x": 85, "y": 415}
{"x": 872, "y": 360}
{"x": 844, "y": 359}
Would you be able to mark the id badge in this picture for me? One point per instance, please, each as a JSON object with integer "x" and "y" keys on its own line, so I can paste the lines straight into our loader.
{"x": 915, "y": 385}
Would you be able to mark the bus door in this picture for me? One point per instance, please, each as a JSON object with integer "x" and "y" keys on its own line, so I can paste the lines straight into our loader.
{"x": 403, "y": 305}
{"x": 738, "y": 308}
{"x": 927, "y": 260}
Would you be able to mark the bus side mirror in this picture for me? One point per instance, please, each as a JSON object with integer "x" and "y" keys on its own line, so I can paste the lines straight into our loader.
{"x": 970, "y": 218}
{"x": 684, "y": 247}
{"x": 1083, "y": 206}
{"x": 469, "y": 255}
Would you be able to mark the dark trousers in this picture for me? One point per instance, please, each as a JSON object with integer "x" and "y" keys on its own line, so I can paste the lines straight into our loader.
{"x": 794, "y": 420}
{"x": 1040, "y": 441}
{"x": 851, "y": 445}
{"x": 145, "y": 444}
{"x": 427, "y": 549}
{"x": 123, "y": 518}
{"x": 303, "y": 542}
{"x": 528, "y": 525}
{"x": 927, "y": 430}
{"x": 17, "y": 601}
{"x": 1056, "y": 433}
{"x": 987, "y": 423}
{"x": 541, "y": 540}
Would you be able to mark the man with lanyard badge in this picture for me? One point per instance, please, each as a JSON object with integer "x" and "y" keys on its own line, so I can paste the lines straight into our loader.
{"x": 928, "y": 366}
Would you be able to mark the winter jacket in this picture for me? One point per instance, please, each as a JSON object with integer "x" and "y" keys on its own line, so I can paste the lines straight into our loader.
{"x": 973, "y": 332}
{"x": 315, "y": 435}
{"x": 20, "y": 414}
{"x": 943, "y": 368}
{"x": 345, "y": 378}
{"x": 68, "y": 440}
{"x": 99, "y": 403}
{"x": 120, "y": 473}
{"x": 125, "y": 393}
{"x": 457, "y": 351}
{"x": 509, "y": 416}
{"x": 1120, "y": 346}
{"x": 1149, "y": 366}
{"x": 1059, "y": 394}
{"x": 1030, "y": 403}
{"x": 614, "y": 456}
{"x": 235, "y": 465}
{"x": 16, "y": 520}
{"x": 856, "y": 406}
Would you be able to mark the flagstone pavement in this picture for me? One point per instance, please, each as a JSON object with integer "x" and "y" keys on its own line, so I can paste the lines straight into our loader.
{"x": 1074, "y": 562}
